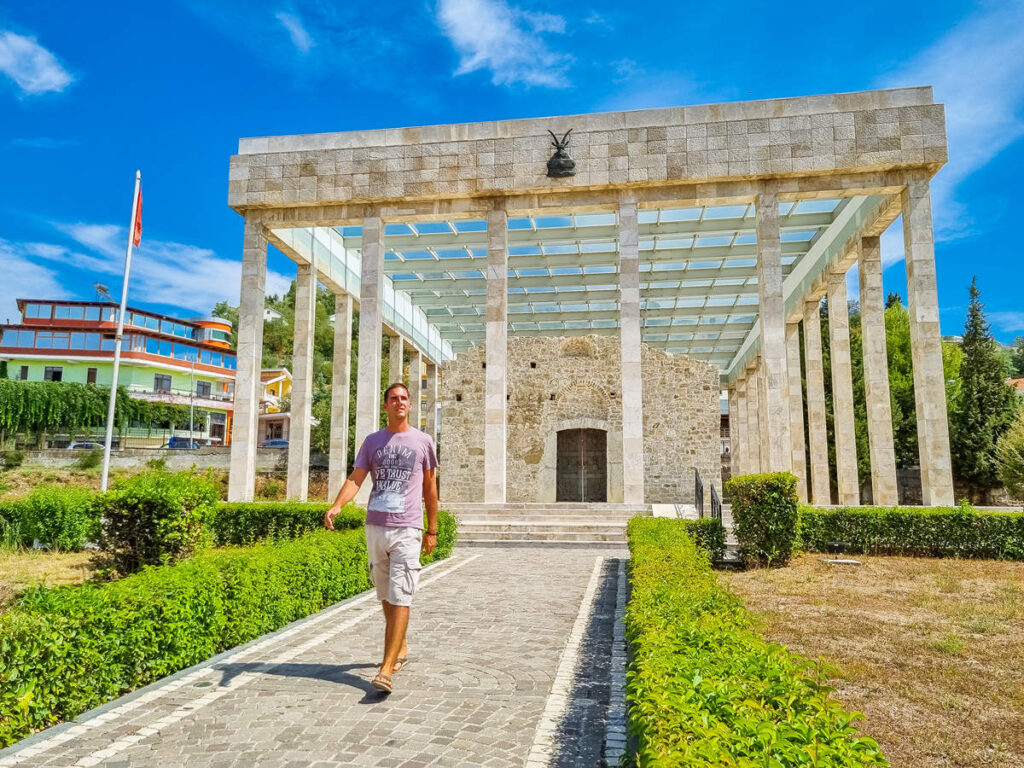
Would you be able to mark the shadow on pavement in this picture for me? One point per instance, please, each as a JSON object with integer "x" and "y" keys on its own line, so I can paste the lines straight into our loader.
{"x": 330, "y": 673}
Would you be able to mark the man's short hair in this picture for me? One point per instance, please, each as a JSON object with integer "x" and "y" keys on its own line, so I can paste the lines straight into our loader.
{"x": 387, "y": 392}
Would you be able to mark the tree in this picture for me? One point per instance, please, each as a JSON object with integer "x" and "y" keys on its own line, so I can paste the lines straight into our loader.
{"x": 893, "y": 300}
{"x": 984, "y": 405}
{"x": 1010, "y": 458}
{"x": 1017, "y": 356}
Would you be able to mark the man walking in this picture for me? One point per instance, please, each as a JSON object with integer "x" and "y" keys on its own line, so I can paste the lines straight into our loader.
{"x": 401, "y": 460}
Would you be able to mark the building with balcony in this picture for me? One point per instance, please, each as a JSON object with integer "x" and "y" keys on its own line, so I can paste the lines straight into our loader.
{"x": 163, "y": 359}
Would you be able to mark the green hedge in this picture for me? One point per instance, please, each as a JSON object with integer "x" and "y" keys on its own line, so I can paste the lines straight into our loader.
{"x": 248, "y": 523}
{"x": 61, "y": 518}
{"x": 704, "y": 688}
{"x": 764, "y": 515}
{"x": 66, "y": 650}
{"x": 707, "y": 533}
{"x": 928, "y": 531}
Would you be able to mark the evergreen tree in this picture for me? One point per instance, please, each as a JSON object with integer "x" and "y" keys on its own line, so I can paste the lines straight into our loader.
{"x": 1017, "y": 358}
{"x": 893, "y": 300}
{"x": 985, "y": 405}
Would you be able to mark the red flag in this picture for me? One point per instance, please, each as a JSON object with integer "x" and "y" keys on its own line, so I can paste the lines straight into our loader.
{"x": 137, "y": 224}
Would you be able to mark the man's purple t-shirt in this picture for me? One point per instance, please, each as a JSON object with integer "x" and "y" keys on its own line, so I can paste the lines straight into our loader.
{"x": 396, "y": 461}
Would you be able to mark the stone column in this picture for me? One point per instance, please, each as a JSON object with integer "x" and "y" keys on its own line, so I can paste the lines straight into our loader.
{"x": 767, "y": 435}
{"x": 371, "y": 306}
{"x": 629, "y": 335}
{"x": 926, "y": 345}
{"x": 396, "y": 368}
{"x": 738, "y": 436}
{"x": 773, "y": 333}
{"x": 415, "y": 384}
{"x": 249, "y": 354}
{"x": 842, "y": 391}
{"x": 796, "y": 409}
{"x": 876, "y": 375}
{"x": 340, "y": 386}
{"x": 817, "y": 429}
{"x": 495, "y": 423}
{"x": 430, "y": 401}
{"x": 734, "y": 429}
{"x": 300, "y": 423}
{"x": 753, "y": 442}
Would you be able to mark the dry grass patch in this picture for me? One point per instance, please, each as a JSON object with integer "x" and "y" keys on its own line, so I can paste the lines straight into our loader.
{"x": 23, "y": 568}
{"x": 931, "y": 651}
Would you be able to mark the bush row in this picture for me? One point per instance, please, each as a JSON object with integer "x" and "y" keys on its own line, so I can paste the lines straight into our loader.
{"x": 65, "y": 650}
{"x": 248, "y": 523}
{"x": 929, "y": 532}
{"x": 708, "y": 534}
{"x": 764, "y": 516}
{"x": 61, "y": 518}
{"x": 704, "y": 688}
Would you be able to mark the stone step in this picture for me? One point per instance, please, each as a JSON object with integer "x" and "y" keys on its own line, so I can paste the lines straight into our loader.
{"x": 535, "y": 543}
{"x": 555, "y": 529}
{"x": 617, "y": 514}
{"x": 552, "y": 517}
{"x": 547, "y": 506}
{"x": 527, "y": 535}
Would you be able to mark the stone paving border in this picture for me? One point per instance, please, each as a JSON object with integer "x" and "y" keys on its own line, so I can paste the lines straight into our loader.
{"x": 43, "y": 741}
{"x": 541, "y": 752}
{"x": 615, "y": 740}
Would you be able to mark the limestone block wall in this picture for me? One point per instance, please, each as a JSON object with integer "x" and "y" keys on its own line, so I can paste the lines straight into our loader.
{"x": 575, "y": 383}
{"x": 873, "y": 130}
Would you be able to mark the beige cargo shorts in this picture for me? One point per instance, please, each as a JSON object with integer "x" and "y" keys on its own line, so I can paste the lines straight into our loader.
{"x": 394, "y": 555}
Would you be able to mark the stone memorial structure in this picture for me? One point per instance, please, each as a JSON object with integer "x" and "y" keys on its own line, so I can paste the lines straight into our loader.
{"x": 585, "y": 313}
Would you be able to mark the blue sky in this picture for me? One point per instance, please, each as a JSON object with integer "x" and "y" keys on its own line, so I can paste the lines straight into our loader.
{"x": 87, "y": 96}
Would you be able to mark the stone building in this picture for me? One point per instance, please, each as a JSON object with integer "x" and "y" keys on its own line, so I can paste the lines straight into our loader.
{"x": 673, "y": 242}
{"x": 565, "y": 422}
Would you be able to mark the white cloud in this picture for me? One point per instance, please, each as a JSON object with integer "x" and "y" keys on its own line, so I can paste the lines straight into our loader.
{"x": 491, "y": 34}
{"x": 300, "y": 36}
{"x": 25, "y": 279}
{"x": 1008, "y": 322}
{"x": 977, "y": 70}
{"x": 33, "y": 68}
{"x": 175, "y": 274}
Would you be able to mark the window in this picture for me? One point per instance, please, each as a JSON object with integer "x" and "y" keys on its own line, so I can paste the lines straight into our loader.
{"x": 24, "y": 373}
{"x": 202, "y": 389}
{"x": 61, "y": 339}
{"x": 162, "y": 383}
{"x": 166, "y": 326}
{"x": 92, "y": 313}
{"x": 217, "y": 358}
{"x": 165, "y": 348}
{"x": 62, "y": 312}
{"x": 78, "y": 341}
{"x": 10, "y": 338}
{"x": 76, "y": 313}
{"x": 92, "y": 341}
{"x": 32, "y": 310}
{"x": 107, "y": 343}
{"x": 205, "y": 356}
{"x": 44, "y": 339}
{"x": 90, "y": 376}
{"x": 152, "y": 323}
{"x": 53, "y": 373}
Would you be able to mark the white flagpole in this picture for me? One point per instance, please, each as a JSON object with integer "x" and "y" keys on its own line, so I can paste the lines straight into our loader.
{"x": 120, "y": 331}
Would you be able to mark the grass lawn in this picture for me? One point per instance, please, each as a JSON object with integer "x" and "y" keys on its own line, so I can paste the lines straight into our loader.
{"x": 23, "y": 568}
{"x": 931, "y": 651}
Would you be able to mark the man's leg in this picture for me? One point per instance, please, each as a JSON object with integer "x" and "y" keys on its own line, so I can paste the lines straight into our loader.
{"x": 396, "y": 623}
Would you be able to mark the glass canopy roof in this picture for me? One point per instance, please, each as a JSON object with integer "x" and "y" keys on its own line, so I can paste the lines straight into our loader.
{"x": 698, "y": 273}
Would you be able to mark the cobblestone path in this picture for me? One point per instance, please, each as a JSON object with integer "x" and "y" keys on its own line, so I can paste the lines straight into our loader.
{"x": 510, "y": 661}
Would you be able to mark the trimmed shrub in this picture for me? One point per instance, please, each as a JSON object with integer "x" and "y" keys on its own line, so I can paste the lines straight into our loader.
{"x": 704, "y": 689}
{"x": 13, "y": 459}
{"x": 917, "y": 531}
{"x": 764, "y": 515}
{"x": 251, "y": 522}
{"x": 708, "y": 534}
{"x": 66, "y": 650}
{"x": 156, "y": 518}
{"x": 60, "y": 518}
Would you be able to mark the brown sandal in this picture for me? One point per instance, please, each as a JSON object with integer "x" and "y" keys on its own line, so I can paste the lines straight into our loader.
{"x": 399, "y": 663}
{"x": 382, "y": 682}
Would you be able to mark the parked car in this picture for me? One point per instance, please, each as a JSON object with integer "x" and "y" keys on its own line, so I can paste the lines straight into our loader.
{"x": 181, "y": 444}
{"x": 276, "y": 443}
{"x": 85, "y": 445}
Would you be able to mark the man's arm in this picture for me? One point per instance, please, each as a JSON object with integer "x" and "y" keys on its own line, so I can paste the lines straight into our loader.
{"x": 345, "y": 495}
{"x": 430, "y": 501}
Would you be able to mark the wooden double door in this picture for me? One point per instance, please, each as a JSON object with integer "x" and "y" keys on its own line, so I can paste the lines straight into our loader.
{"x": 582, "y": 470}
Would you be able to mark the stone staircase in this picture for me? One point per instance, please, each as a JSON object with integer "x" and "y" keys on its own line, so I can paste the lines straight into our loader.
{"x": 556, "y": 524}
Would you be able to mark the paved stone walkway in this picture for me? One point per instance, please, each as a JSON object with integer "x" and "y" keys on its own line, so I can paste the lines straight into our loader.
{"x": 490, "y": 629}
